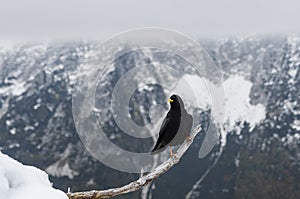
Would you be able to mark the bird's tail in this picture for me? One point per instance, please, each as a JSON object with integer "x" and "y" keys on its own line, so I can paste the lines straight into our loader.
{"x": 158, "y": 148}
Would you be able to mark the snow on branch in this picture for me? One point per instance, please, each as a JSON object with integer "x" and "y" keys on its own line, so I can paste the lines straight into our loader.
{"x": 143, "y": 180}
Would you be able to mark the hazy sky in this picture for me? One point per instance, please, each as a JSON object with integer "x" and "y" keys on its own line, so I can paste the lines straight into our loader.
{"x": 99, "y": 19}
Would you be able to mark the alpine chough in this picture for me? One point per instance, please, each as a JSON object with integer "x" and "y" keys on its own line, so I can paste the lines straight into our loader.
{"x": 175, "y": 127}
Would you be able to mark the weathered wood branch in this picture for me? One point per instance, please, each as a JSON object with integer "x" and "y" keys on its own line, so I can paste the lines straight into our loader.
{"x": 143, "y": 180}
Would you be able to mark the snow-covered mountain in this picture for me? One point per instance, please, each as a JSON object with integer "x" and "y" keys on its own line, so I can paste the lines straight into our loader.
{"x": 259, "y": 143}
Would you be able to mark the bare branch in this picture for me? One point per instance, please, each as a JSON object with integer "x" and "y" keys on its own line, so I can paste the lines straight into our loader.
{"x": 142, "y": 181}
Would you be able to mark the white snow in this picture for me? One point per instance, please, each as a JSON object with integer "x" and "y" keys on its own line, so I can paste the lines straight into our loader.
{"x": 16, "y": 89}
{"x": 290, "y": 139}
{"x": 13, "y": 131}
{"x": 293, "y": 72}
{"x": 237, "y": 101}
{"x": 194, "y": 92}
{"x": 61, "y": 169}
{"x": 26, "y": 128}
{"x": 238, "y": 107}
{"x": 8, "y": 122}
{"x": 296, "y": 125}
{"x": 21, "y": 181}
{"x": 197, "y": 86}
{"x": 36, "y": 106}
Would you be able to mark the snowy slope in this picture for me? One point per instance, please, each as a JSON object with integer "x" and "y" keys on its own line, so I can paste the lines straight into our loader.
{"x": 21, "y": 181}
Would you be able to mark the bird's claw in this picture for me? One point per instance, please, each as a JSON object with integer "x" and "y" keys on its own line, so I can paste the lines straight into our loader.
{"x": 173, "y": 155}
{"x": 189, "y": 139}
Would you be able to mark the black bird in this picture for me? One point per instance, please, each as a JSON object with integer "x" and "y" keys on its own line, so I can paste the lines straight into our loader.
{"x": 175, "y": 128}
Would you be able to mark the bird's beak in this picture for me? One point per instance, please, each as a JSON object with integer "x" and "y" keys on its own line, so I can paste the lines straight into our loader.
{"x": 170, "y": 100}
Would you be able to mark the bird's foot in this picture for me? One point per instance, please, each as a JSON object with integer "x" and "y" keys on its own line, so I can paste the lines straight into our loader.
{"x": 189, "y": 139}
{"x": 172, "y": 155}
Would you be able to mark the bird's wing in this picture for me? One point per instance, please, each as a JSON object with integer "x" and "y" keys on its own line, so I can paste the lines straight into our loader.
{"x": 164, "y": 123}
{"x": 190, "y": 121}
{"x": 184, "y": 129}
{"x": 188, "y": 124}
{"x": 159, "y": 145}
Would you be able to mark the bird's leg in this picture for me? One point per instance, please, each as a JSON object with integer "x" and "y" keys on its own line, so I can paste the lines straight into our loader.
{"x": 171, "y": 152}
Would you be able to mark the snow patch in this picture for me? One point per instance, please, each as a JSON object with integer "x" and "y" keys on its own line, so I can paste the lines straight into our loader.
{"x": 13, "y": 131}
{"x": 27, "y": 128}
{"x": 16, "y": 89}
{"x": 296, "y": 125}
{"x": 61, "y": 168}
{"x": 190, "y": 85}
{"x": 237, "y": 104}
{"x": 237, "y": 101}
{"x": 21, "y": 181}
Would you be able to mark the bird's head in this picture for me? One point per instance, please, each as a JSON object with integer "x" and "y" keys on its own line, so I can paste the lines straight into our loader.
{"x": 175, "y": 101}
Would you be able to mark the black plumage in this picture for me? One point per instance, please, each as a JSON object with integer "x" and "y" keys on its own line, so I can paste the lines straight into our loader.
{"x": 175, "y": 127}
